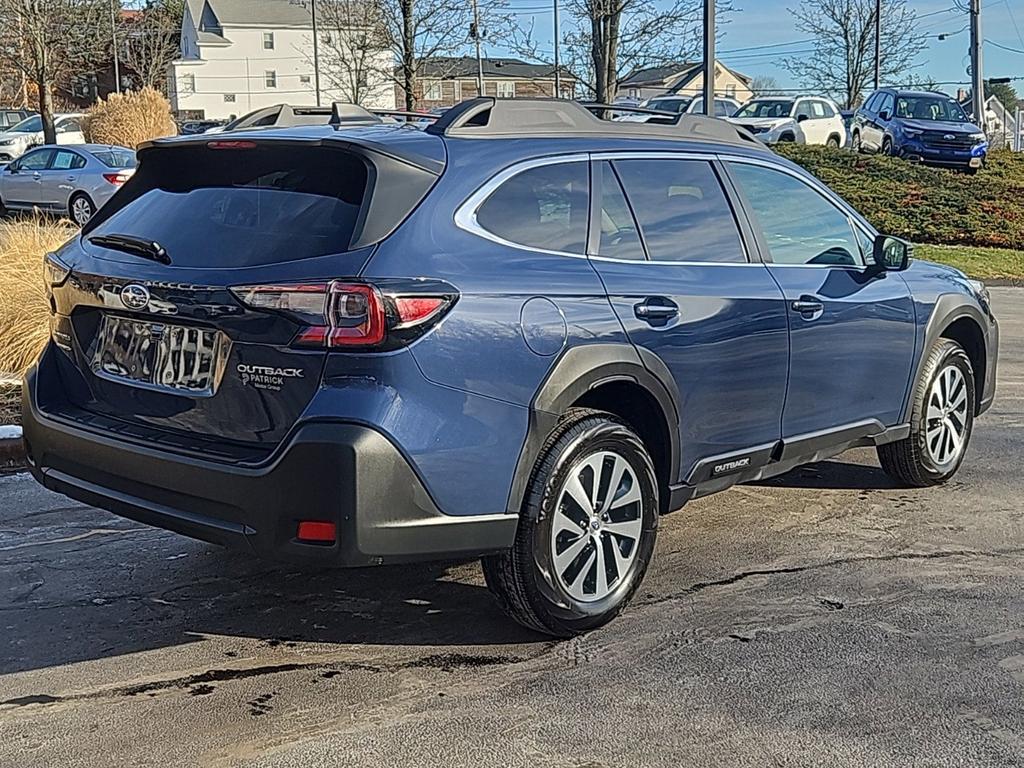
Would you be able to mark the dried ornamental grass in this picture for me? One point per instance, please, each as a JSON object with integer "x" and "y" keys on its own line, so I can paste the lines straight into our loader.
{"x": 129, "y": 119}
{"x": 24, "y": 307}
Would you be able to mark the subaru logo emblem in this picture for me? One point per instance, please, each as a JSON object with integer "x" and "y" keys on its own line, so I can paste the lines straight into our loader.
{"x": 949, "y": 136}
{"x": 135, "y": 296}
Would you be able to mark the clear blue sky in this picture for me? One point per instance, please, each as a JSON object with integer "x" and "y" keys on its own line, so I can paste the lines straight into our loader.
{"x": 766, "y": 22}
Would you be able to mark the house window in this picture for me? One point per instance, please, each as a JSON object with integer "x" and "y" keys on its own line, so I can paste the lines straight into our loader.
{"x": 268, "y": 41}
{"x": 506, "y": 89}
{"x": 305, "y": 79}
{"x": 270, "y": 78}
{"x": 229, "y": 98}
{"x": 730, "y": 90}
{"x": 432, "y": 90}
{"x": 188, "y": 83}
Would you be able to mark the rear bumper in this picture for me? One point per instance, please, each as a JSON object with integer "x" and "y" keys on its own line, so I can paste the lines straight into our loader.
{"x": 348, "y": 474}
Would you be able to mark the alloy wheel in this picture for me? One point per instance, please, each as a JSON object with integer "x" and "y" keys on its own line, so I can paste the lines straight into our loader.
{"x": 946, "y": 417}
{"x": 597, "y": 526}
{"x": 81, "y": 211}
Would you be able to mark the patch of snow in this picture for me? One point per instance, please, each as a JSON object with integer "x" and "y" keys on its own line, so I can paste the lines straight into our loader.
{"x": 10, "y": 432}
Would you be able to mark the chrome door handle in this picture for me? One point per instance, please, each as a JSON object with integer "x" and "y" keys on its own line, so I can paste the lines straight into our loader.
{"x": 661, "y": 309}
{"x": 807, "y": 306}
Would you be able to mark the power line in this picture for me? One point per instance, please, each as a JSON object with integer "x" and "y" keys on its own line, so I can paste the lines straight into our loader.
{"x": 1004, "y": 47}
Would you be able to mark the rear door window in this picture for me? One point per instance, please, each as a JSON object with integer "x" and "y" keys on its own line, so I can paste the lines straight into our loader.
{"x": 115, "y": 158}
{"x": 546, "y": 208}
{"x": 242, "y": 207}
{"x": 682, "y": 209}
{"x": 619, "y": 236}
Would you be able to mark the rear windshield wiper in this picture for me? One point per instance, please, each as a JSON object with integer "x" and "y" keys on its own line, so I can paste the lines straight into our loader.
{"x": 147, "y": 249}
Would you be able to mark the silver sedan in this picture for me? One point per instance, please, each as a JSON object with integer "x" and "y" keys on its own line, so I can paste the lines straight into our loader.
{"x": 72, "y": 180}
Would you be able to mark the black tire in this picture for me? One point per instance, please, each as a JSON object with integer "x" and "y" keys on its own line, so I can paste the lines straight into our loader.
{"x": 787, "y": 138}
{"x": 526, "y": 582}
{"x": 855, "y": 143}
{"x": 81, "y": 202}
{"x": 911, "y": 461}
{"x": 832, "y": 142}
{"x": 887, "y": 147}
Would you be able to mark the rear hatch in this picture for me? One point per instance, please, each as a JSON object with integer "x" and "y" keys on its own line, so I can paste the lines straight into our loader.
{"x": 164, "y": 319}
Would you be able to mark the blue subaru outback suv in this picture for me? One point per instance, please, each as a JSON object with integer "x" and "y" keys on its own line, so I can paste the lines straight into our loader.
{"x": 523, "y": 334}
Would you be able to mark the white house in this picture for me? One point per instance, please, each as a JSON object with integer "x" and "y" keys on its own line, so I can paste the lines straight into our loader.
{"x": 241, "y": 55}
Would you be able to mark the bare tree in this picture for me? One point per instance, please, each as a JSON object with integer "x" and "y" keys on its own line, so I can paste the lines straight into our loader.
{"x": 355, "y": 51}
{"x": 152, "y": 40}
{"x": 764, "y": 85}
{"x": 51, "y": 40}
{"x": 419, "y": 31}
{"x": 842, "y": 63}
{"x": 612, "y": 38}
{"x": 430, "y": 32}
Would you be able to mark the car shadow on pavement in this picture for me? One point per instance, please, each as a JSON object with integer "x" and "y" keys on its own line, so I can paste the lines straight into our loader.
{"x": 153, "y": 590}
{"x": 838, "y": 475}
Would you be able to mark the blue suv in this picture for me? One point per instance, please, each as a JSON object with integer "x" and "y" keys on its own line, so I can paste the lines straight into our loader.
{"x": 523, "y": 334}
{"x": 921, "y": 126}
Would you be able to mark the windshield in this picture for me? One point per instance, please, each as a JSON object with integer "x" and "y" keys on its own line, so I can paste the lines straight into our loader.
{"x": 773, "y": 108}
{"x": 29, "y": 125}
{"x": 930, "y": 108}
{"x": 669, "y": 105}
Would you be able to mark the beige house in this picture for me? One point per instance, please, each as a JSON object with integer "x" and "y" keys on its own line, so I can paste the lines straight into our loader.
{"x": 687, "y": 79}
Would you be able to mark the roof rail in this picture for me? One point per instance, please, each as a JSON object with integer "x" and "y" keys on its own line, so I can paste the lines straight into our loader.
{"x": 351, "y": 114}
{"x": 488, "y": 117}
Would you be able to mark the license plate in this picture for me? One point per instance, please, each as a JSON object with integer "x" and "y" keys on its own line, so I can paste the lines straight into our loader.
{"x": 161, "y": 356}
{"x": 975, "y": 162}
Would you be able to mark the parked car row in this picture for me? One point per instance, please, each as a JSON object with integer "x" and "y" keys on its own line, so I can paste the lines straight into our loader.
{"x": 920, "y": 126}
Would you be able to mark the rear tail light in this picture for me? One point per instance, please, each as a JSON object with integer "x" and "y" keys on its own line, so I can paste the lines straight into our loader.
{"x": 117, "y": 179}
{"x": 340, "y": 314}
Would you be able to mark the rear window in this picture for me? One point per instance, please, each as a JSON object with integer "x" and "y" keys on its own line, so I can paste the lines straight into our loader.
{"x": 115, "y": 158}
{"x": 545, "y": 208}
{"x": 242, "y": 207}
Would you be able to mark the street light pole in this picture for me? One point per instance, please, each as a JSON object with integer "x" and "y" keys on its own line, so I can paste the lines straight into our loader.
{"x": 479, "y": 60}
{"x": 709, "y": 57}
{"x": 558, "y": 74}
{"x": 316, "y": 52}
{"x": 878, "y": 43}
{"x": 113, "y": 37}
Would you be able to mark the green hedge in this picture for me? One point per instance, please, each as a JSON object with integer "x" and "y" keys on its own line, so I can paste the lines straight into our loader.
{"x": 926, "y": 205}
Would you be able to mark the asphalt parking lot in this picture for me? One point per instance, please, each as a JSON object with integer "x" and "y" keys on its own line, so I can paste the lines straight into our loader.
{"x": 823, "y": 618}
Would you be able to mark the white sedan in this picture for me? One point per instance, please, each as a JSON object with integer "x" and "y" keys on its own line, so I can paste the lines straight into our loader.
{"x": 805, "y": 120}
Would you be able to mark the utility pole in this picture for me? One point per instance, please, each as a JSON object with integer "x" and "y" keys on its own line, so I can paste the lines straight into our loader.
{"x": 558, "y": 66}
{"x": 878, "y": 43}
{"x": 977, "y": 75}
{"x": 709, "y": 57}
{"x": 316, "y": 52}
{"x": 113, "y": 36}
{"x": 479, "y": 60}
